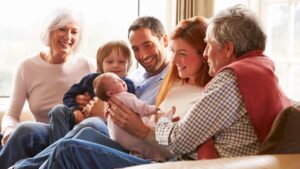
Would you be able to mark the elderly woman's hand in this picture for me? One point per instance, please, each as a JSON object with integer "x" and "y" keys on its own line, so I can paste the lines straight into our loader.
{"x": 127, "y": 119}
{"x": 8, "y": 131}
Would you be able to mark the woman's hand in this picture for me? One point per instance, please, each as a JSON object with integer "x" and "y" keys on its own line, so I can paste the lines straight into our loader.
{"x": 7, "y": 132}
{"x": 95, "y": 107}
{"x": 83, "y": 100}
{"x": 127, "y": 119}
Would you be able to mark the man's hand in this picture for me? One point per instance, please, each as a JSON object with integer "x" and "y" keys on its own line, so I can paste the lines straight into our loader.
{"x": 94, "y": 108}
{"x": 127, "y": 119}
{"x": 78, "y": 116}
{"x": 83, "y": 100}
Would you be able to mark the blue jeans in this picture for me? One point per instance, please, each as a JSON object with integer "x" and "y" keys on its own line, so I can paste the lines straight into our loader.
{"x": 78, "y": 154}
{"x": 61, "y": 121}
{"x": 87, "y": 134}
{"x": 30, "y": 138}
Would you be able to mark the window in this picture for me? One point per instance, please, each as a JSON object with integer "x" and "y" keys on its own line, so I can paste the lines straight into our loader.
{"x": 107, "y": 20}
{"x": 104, "y": 20}
{"x": 20, "y": 28}
{"x": 222, "y": 4}
{"x": 281, "y": 21}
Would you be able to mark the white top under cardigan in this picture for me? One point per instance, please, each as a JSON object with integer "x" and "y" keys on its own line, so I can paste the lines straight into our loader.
{"x": 183, "y": 96}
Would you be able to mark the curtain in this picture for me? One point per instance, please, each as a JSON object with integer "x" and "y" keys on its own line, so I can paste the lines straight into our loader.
{"x": 188, "y": 8}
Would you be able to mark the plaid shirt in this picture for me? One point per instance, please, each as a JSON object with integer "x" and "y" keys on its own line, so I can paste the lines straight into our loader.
{"x": 220, "y": 114}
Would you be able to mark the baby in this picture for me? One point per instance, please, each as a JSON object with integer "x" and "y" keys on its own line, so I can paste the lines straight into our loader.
{"x": 109, "y": 84}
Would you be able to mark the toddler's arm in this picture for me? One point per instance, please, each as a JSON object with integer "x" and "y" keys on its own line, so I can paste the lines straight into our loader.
{"x": 70, "y": 98}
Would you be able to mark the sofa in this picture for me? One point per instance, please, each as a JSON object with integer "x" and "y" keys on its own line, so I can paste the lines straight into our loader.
{"x": 287, "y": 161}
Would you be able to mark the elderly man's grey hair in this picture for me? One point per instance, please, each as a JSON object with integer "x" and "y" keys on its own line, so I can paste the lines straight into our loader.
{"x": 239, "y": 26}
{"x": 59, "y": 18}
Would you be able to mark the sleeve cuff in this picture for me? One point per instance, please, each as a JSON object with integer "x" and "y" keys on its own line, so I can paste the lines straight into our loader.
{"x": 163, "y": 130}
{"x": 150, "y": 137}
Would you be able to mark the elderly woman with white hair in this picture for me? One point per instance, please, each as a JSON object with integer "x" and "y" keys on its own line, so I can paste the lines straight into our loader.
{"x": 42, "y": 80}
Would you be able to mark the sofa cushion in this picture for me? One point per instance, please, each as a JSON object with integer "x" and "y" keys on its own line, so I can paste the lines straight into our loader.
{"x": 284, "y": 137}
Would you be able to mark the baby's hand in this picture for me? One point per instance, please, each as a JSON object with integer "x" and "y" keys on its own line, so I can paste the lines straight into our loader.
{"x": 78, "y": 116}
{"x": 169, "y": 114}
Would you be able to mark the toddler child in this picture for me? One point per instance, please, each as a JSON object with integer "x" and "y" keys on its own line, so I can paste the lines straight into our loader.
{"x": 114, "y": 56}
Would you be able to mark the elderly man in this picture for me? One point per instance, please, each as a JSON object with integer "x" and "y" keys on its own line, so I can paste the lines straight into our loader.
{"x": 240, "y": 103}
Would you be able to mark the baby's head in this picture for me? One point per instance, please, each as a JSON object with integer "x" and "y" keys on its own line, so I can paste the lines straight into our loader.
{"x": 107, "y": 85}
{"x": 114, "y": 56}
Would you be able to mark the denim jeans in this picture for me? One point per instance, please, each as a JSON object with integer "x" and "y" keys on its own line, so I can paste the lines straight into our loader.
{"x": 78, "y": 154}
{"x": 30, "y": 138}
{"x": 62, "y": 125}
{"x": 87, "y": 134}
{"x": 61, "y": 122}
